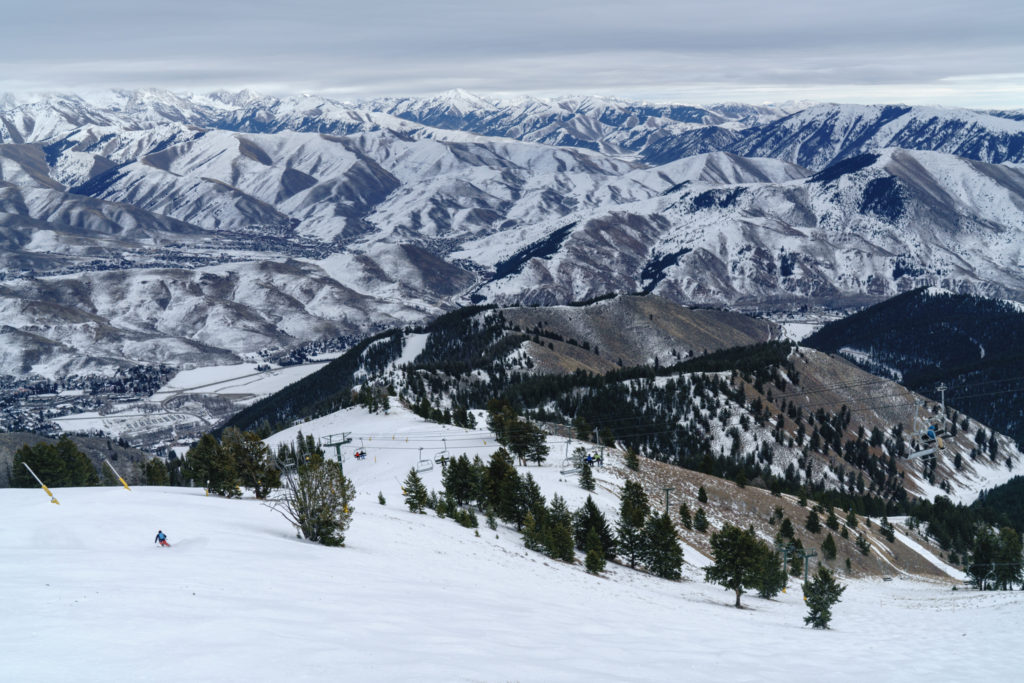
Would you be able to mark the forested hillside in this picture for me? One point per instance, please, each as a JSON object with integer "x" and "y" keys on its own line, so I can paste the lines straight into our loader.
{"x": 924, "y": 338}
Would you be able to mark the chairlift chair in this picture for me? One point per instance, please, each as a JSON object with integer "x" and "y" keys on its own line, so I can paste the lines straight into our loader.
{"x": 424, "y": 464}
{"x": 573, "y": 464}
{"x": 442, "y": 456}
{"x": 361, "y": 451}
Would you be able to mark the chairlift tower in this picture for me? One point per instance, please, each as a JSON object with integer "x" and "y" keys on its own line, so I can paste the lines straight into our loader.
{"x": 790, "y": 549}
{"x": 942, "y": 392}
{"x": 668, "y": 490}
{"x": 336, "y": 441}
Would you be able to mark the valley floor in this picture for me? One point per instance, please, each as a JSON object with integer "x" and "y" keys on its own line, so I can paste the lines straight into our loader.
{"x": 87, "y": 596}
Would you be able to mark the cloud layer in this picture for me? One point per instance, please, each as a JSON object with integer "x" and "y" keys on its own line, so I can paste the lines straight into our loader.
{"x": 956, "y": 53}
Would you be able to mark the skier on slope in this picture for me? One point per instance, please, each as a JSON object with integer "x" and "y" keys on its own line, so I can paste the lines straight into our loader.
{"x": 161, "y": 538}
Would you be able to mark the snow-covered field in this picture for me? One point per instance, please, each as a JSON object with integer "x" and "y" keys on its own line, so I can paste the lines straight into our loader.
{"x": 242, "y": 378}
{"x": 241, "y": 383}
{"x": 87, "y": 596}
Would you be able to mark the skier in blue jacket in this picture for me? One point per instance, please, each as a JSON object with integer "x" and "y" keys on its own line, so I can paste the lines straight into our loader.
{"x": 161, "y": 538}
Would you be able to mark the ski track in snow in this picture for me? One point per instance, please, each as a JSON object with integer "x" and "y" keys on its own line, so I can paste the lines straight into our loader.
{"x": 88, "y": 597}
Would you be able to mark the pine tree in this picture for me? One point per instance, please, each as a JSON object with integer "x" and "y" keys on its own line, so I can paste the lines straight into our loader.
{"x": 155, "y": 472}
{"x": 1008, "y": 557}
{"x": 813, "y": 523}
{"x": 527, "y": 497}
{"x": 589, "y": 517}
{"x": 772, "y": 576}
{"x": 851, "y": 519}
{"x": 862, "y": 545}
{"x": 466, "y": 517}
{"x": 787, "y": 530}
{"x": 253, "y": 462}
{"x": 738, "y": 559}
{"x": 414, "y": 492}
{"x": 887, "y": 530}
{"x": 587, "y": 477}
{"x": 633, "y": 512}
{"x": 317, "y": 500}
{"x": 796, "y": 559}
{"x": 662, "y": 554}
{"x": 821, "y": 593}
{"x": 560, "y": 544}
{"x": 983, "y": 555}
{"x": 632, "y": 460}
{"x": 685, "y": 516}
{"x": 832, "y": 522}
{"x": 77, "y": 465}
{"x": 828, "y": 548}
{"x": 700, "y": 521}
{"x": 500, "y": 480}
{"x": 381, "y": 499}
{"x": 595, "y": 559}
{"x": 532, "y": 533}
{"x": 702, "y": 495}
{"x": 212, "y": 467}
{"x": 458, "y": 479}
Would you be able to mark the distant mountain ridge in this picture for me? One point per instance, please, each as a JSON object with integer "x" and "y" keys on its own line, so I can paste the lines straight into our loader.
{"x": 300, "y": 217}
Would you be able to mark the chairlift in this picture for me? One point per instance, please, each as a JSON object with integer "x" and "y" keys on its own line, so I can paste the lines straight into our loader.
{"x": 360, "y": 453}
{"x": 929, "y": 431}
{"x": 572, "y": 464}
{"x": 424, "y": 464}
{"x": 442, "y": 456}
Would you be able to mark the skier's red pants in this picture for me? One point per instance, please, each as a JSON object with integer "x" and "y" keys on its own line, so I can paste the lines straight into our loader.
{"x": 165, "y": 544}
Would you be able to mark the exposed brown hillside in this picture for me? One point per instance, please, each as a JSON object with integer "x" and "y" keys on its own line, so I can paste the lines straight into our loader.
{"x": 631, "y": 330}
{"x": 750, "y": 505}
{"x": 828, "y": 383}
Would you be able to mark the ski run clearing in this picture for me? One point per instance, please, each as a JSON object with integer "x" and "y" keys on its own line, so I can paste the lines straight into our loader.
{"x": 87, "y": 596}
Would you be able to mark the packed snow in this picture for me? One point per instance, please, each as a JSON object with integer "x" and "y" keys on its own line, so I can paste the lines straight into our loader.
{"x": 89, "y": 597}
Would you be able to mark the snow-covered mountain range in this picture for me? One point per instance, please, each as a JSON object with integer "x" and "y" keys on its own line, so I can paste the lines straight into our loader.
{"x": 144, "y": 225}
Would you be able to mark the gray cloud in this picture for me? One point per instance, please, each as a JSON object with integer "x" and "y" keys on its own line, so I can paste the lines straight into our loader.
{"x": 869, "y": 51}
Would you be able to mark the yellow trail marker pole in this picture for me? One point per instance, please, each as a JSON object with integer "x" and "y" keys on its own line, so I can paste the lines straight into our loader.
{"x": 53, "y": 498}
{"x": 119, "y": 478}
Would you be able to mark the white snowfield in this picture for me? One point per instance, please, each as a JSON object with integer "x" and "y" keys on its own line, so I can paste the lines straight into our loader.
{"x": 87, "y": 596}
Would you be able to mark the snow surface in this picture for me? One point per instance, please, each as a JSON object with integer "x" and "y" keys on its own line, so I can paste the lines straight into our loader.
{"x": 240, "y": 378}
{"x": 798, "y": 331}
{"x": 88, "y": 597}
{"x": 241, "y": 383}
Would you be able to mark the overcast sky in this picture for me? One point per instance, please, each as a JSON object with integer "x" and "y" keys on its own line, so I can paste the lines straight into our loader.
{"x": 942, "y": 52}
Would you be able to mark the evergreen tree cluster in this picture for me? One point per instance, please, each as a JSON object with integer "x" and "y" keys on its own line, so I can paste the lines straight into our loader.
{"x": 643, "y": 537}
{"x": 996, "y": 559}
{"x": 523, "y": 439}
{"x": 238, "y": 459}
{"x": 60, "y": 464}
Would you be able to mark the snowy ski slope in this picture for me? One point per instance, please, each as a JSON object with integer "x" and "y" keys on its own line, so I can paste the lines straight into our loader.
{"x": 87, "y": 596}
